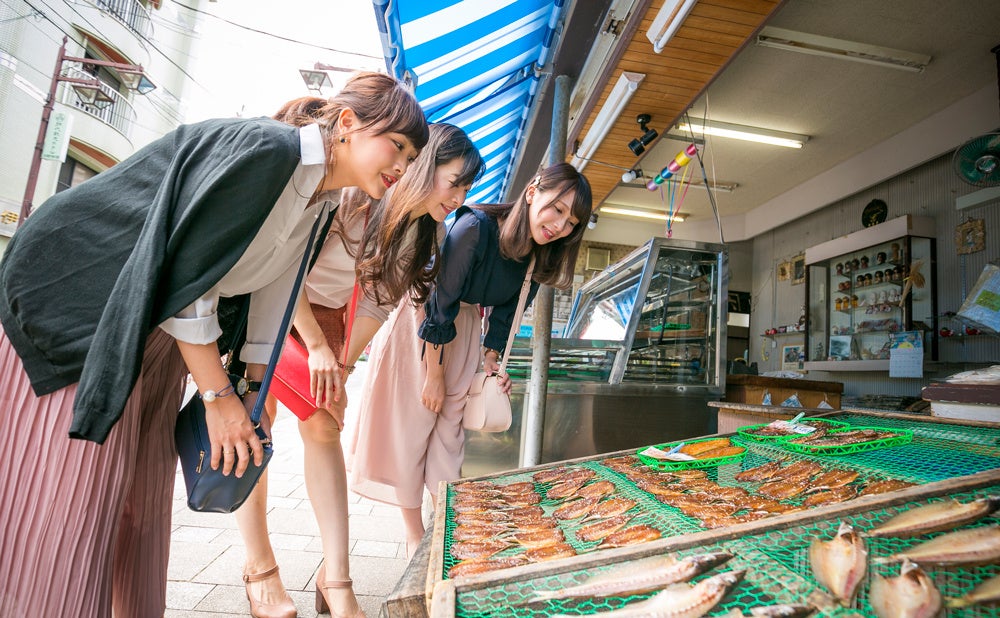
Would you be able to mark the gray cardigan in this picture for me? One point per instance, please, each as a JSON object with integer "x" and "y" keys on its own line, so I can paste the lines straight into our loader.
{"x": 96, "y": 268}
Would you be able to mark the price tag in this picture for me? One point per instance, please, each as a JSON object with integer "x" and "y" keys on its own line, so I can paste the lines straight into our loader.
{"x": 794, "y": 426}
{"x": 656, "y": 453}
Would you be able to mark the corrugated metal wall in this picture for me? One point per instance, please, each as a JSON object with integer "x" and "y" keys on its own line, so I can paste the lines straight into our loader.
{"x": 929, "y": 190}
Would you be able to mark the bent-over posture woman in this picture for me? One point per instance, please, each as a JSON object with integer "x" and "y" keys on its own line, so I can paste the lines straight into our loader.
{"x": 108, "y": 297}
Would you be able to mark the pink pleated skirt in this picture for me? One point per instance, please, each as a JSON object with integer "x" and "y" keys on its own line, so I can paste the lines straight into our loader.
{"x": 398, "y": 446}
{"x": 85, "y": 528}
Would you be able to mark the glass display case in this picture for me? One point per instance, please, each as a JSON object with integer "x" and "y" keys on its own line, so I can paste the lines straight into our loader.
{"x": 644, "y": 353}
{"x": 663, "y": 304}
{"x": 864, "y": 287}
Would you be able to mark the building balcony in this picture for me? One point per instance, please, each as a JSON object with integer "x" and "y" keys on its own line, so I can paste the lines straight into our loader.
{"x": 92, "y": 125}
{"x": 131, "y": 13}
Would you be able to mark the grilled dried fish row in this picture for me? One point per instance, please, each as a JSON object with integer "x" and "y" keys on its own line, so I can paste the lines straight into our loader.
{"x": 936, "y": 516}
{"x": 986, "y": 593}
{"x": 972, "y": 546}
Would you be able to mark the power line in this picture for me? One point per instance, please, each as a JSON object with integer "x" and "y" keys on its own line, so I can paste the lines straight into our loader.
{"x": 277, "y": 36}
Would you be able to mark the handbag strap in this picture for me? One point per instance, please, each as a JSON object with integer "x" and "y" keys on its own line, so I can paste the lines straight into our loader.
{"x": 349, "y": 325}
{"x": 516, "y": 324}
{"x": 286, "y": 320}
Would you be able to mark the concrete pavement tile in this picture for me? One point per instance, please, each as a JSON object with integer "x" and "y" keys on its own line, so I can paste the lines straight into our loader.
{"x": 226, "y": 569}
{"x": 353, "y": 497}
{"x": 187, "y": 560}
{"x": 292, "y": 521}
{"x": 375, "y": 576}
{"x": 315, "y": 545}
{"x": 281, "y": 502}
{"x": 385, "y": 510}
{"x": 376, "y": 549}
{"x": 229, "y": 537}
{"x": 371, "y": 605}
{"x": 187, "y": 517}
{"x": 359, "y": 509}
{"x": 194, "y": 534}
{"x": 186, "y": 613}
{"x": 186, "y": 595}
{"x": 374, "y": 528}
{"x": 226, "y": 600}
{"x": 290, "y": 541}
{"x": 299, "y": 492}
{"x": 305, "y": 602}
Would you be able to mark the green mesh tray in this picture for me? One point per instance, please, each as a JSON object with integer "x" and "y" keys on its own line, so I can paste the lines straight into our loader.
{"x": 747, "y": 431}
{"x": 660, "y": 464}
{"x": 904, "y": 436}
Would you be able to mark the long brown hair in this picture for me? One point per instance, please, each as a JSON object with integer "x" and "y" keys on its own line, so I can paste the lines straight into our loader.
{"x": 381, "y": 103}
{"x": 555, "y": 261}
{"x": 385, "y": 269}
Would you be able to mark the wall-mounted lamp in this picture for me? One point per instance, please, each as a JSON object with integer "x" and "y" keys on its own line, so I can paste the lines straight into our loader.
{"x": 318, "y": 77}
{"x": 593, "y": 221}
{"x": 622, "y": 91}
{"x": 745, "y": 133}
{"x": 668, "y": 19}
{"x": 638, "y": 145}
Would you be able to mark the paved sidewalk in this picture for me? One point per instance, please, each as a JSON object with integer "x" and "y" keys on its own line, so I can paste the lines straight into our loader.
{"x": 206, "y": 552}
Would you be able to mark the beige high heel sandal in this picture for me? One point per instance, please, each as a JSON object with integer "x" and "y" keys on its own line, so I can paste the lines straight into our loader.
{"x": 324, "y": 584}
{"x": 258, "y": 609}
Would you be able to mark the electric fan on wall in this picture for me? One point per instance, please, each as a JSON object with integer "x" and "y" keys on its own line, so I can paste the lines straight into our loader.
{"x": 977, "y": 161}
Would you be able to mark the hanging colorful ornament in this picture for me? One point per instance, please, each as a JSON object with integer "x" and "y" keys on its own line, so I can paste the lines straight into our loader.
{"x": 683, "y": 158}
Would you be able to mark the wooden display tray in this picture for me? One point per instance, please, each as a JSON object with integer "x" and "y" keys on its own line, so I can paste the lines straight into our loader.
{"x": 444, "y": 605}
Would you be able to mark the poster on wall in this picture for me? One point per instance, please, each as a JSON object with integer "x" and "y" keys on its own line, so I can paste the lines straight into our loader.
{"x": 982, "y": 305}
{"x": 792, "y": 357}
{"x": 906, "y": 355}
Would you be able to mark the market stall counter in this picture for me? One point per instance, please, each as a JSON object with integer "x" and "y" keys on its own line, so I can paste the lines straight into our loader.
{"x": 747, "y": 524}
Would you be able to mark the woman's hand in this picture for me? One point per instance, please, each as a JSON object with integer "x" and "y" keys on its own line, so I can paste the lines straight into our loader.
{"x": 232, "y": 435}
{"x": 504, "y": 383}
{"x": 325, "y": 381}
{"x": 491, "y": 364}
{"x": 432, "y": 397}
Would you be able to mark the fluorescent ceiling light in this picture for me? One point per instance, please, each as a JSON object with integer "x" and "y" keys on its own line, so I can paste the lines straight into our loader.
{"x": 640, "y": 214}
{"x": 623, "y": 90}
{"x": 668, "y": 19}
{"x": 749, "y": 134}
{"x": 816, "y": 45}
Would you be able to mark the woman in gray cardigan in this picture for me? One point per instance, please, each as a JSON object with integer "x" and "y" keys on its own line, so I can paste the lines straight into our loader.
{"x": 108, "y": 297}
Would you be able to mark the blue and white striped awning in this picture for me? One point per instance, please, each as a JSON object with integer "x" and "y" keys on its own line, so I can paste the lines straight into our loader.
{"x": 474, "y": 64}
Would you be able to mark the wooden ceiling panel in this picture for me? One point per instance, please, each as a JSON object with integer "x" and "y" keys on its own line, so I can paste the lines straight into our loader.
{"x": 711, "y": 35}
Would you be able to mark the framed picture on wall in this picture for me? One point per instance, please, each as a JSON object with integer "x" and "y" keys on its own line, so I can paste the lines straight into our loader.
{"x": 790, "y": 355}
{"x": 970, "y": 237}
{"x": 798, "y": 269}
{"x": 784, "y": 271}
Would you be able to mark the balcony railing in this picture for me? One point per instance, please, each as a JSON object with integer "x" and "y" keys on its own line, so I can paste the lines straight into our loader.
{"x": 119, "y": 114}
{"x": 130, "y": 12}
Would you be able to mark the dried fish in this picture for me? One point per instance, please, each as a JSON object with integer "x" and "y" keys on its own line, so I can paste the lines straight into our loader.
{"x": 760, "y": 503}
{"x": 840, "y": 563}
{"x": 539, "y": 538}
{"x": 575, "y": 508}
{"x": 973, "y": 546}
{"x": 831, "y": 496}
{"x": 471, "y": 506}
{"x": 986, "y": 593}
{"x": 732, "y": 520}
{"x": 610, "y": 508}
{"x": 542, "y": 523}
{"x": 474, "y": 486}
{"x": 832, "y": 479}
{"x": 783, "y": 489}
{"x": 527, "y": 513}
{"x": 633, "y": 535}
{"x": 579, "y": 474}
{"x": 550, "y": 552}
{"x": 523, "y": 500}
{"x": 466, "y": 568}
{"x": 802, "y": 469}
{"x": 482, "y": 517}
{"x": 695, "y": 449}
{"x": 517, "y": 488}
{"x": 945, "y": 515}
{"x": 722, "y": 451}
{"x": 773, "y": 611}
{"x": 682, "y": 601}
{"x": 639, "y": 576}
{"x": 478, "y": 549}
{"x": 885, "y": 486}
{"x": 760, "y": 473}
{"x": 708, "y": 511}
{"x": 549, "y": 476}
{"x": 468, "y": 532}
{"x": 911, "y": 595}
{"x": 598, "y": 530}
{"x": 687, "y": 475}
{"x": 563, "y": 489}
{"x": 598, "y": 489}
{"x": 659, "y": 489}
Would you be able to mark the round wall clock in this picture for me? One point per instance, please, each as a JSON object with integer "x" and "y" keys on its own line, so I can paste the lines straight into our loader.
{"x": 874, "y": 213}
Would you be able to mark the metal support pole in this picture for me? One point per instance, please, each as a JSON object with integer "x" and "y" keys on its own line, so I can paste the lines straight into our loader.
{"x": 36, "y": 157}
{"x": 541, "y": 341}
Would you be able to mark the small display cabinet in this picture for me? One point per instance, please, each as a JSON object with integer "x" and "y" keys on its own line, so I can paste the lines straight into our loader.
{"x": 863, "y": 287}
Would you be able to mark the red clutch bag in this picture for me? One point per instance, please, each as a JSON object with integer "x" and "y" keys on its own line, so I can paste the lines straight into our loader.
{"x": 290, "y": 385}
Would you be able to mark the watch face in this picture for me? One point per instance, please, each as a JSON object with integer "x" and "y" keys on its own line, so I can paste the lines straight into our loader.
{"x": 874, "y": 213}
{"x": 241, "y": 387}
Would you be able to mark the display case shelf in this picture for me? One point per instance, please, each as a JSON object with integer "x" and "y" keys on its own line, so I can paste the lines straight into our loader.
{"x": 847, "y": 309}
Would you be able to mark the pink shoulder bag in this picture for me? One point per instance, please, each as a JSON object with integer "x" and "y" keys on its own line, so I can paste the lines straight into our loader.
{"x": 487, "y": 408}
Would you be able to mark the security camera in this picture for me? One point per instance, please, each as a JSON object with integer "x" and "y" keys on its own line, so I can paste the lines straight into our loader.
{"x": 638, "y": 145}
{"x": 593, "y": 221}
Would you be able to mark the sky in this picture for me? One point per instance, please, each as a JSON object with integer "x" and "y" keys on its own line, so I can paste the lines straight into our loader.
{"x": 249, "y": 74}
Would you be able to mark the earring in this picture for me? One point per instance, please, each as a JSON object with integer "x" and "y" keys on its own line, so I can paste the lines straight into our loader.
{"x": 343, "y": 140}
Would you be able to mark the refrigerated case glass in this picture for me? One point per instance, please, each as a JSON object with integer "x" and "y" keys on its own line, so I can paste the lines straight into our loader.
{"x": 663, "y": 308}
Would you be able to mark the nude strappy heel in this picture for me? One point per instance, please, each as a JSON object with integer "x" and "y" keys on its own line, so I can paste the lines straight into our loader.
{"x": 324, "y": 584}
{"x": 282, "y": 609}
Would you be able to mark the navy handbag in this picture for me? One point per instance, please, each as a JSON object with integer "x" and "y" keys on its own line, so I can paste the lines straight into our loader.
{"x": 209, "y": 490}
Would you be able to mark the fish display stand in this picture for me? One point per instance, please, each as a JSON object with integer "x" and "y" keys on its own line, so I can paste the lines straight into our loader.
{"x": 944, "y": 459}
